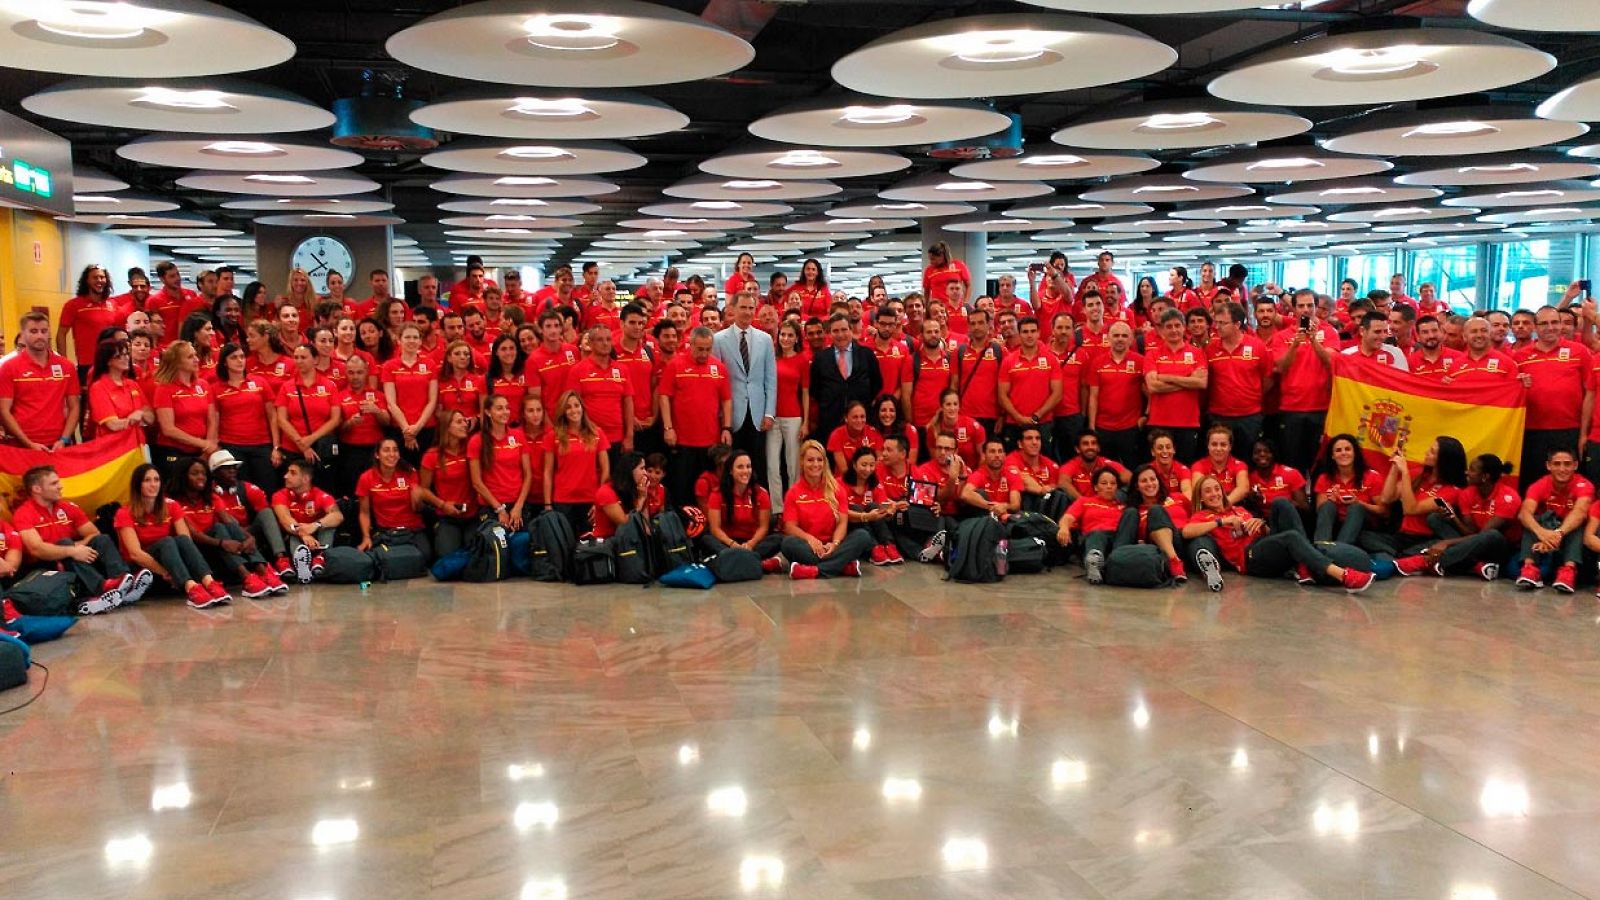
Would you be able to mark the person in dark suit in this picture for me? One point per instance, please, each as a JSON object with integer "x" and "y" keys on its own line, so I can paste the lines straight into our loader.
{"x": 841, "y": 372}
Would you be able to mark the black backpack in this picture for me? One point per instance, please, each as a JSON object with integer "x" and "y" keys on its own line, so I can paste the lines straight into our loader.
{"x": 347, "y": 565}
{"x": 1023, "y": 525}
{"x": 595, "y": 562}
{"x": 977, "y": 554}
{"x": 398, "y": 561}
{"x": 675, "y": 547}
{"x": 44, "y": 592}
{"x": 14, "y": 662}
{"x": 553, "y": 547}
{"x": 637, "y": 552}
{"x": 488, "y": 553}
{"x": 736, "y": 564}
{"x": 1026, "y": 555}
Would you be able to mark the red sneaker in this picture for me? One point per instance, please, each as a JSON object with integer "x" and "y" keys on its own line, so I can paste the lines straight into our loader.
{"x": 1302, "y": 576}
{"x": 1356, "y": 581}
{"x": 1566, "y": 579}
{"x": 1175, "y": 569}
{"x": 1529, "y": 579}
{"x": 8, "y": 613}
{"x": 893, "y": 552}
{"x": 1411, "y": 565}
{"x": 274, "y": 583}
{"x": 800, "y": 572}
{"x": 852, "y": 570}
{"x": 217, "y": 591}
{"x": 879, "y": 557}
{"x": 282, "y": 568}
{"x": 254, "y": 587}
{"x": 200, "y": 598}
{"x": 318, "y": 566}
{"x": 1488, "y": 571}
{"x": 771, "y": 564}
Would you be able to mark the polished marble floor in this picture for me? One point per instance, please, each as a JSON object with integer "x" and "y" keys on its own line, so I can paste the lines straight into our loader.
{"x": 887, "y": 737}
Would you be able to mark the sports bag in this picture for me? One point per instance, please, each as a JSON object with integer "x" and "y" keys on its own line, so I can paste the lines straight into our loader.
{"x": 735, "y": 564}
{"x": 14, "y": 662}
{"x": 488, "y": 553}
{"x": 552, "y": 547}
{"x": 347, "y": 565}
{"x": 977, "y": 554}
{"x": 396, "y": 558}
{"x": 44, "y": 592}
{"x": 673, "y": 539}
{"x": 692, "y": 575}
{"x": 1137, "y": 566}
{"x": 1035, "y": 525}
{"x": 1026, "y": 556}
{"x": 595, "y": 562}
{"x": 636, "y": 551}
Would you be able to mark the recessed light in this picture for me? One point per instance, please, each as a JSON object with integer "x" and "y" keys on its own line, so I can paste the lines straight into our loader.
{"x": 1376, "y": 62}
{"x": 1400, "y": 211}
{"x": 1510, "y": 195}
{"x": 1054, "y": 160}
{"x": 1165, "y": 189}
{"x": 572, "y": 32}
{"x": 998, "y": 47}
{"x": 1351, "y": 192}
{"x": 804, "y": 159}
{"x": 1508, "y": 167}
{"x": 536, "y": 153}
{"x": 664, "y": 233}
{"x": 1179, "y": 121}
{"x": 175, "y": 99}
{"x": 568, "y": 107}
{"x": 268, "y": 178}
{"x": 965, "y": 186}
{"x": 1451, "y": 129}
{"x": 1065, "y": 207}
{"x": 1292, "y": 162}
{"x": 518, "y": 201}
{"x": 686, "y": 221}
{"x": 98, "y": 20}
{"x": 900, "y": 207}
{"x": 752, "y": 184}
{"x": 714, "y": 204}
{"x": 525, "y": 181}
{"x": 879, "y": 115}
{"x": 1240, "y": 209}
{"x": 241, "y": 148}
{"x": 329, "y": 216}
{"x": 92, "y": 198}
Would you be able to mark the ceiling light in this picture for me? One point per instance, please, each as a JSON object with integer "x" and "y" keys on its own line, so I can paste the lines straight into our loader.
{"x": 902, "y": 206}
{"x": 1400, "y": 211}
{"x": 96, "y": 20}
{"x": 91, "y": 198}
{"x": 1510, "y": 195}
{"x": 879, "y": 115}
{"x": 1370, "y": 63}
{"x": 1351, "y": 192}
{"x": 525, "y": 181}
{"x": 1451, "y": 129}
{"x": 329, "y": 216}
{"x": 1059, "y": 159}
{"x": 998, "y": 47}
{"x": 1178, "y": 121}
{"x": 686, "y": 221}
{"x": 714, "y": 204}
{"x": 173, "y": 99}
{"x": 1078, "y": 206}
{"x": 241, "y": 148}
{"x": 1293, "y": 162}
{"x": 966, "y": 186}
{"x": 804, "y": 159}
{"x": 1240, "y": 209}
{"x": 573, "y": 32}
{"x": 1508, "y": 167}
{"x": 516, "y": 201}
{"x": 568, "y": 107}
{"x": 538, "y": 153}
{"x": 665, "y": 233}
{"x": 1164, "y": 189}
{"x": 508, "y": 231}
{"x": 281, "y": 179}
{"x": 752, "y": 184}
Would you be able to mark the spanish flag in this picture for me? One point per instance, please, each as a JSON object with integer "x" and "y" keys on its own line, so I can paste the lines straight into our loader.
{"x": 1386, "y": 408}
{"x": 92, "y": 474}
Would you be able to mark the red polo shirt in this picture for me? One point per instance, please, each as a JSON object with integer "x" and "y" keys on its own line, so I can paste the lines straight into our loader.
{"x": 190, "y": 405}
{"x": 1238, "y": 376}
{"x": 1448, "y": 361}
{"x": 1121, "y": 385}
{"x": 61, "y": 523}
{"x": 305, "y": 508}
{"x": 411, "y": 384}
{"x": 894, "y": 364}
{"x": 807, "y": 506}
{"x": 503, "y": 475}
{"x": 602, "y": 387}
{"x": 1494, "y": 362}
{"x": 551, "y": 369}
{"x": 1555, "y": 401}
{"x": 308, "y": 407}
{"x": 996, "y": 487}
{"x": 39, "y": 393}
{"x": 1081, "y": 475}
{"x": 1044, "y": 470}
{"x": 242, "y": 412}
{"x": 697, "y": 392}
{"x": 1094, "y": 514}
{"x": 929, "y": 378}
{"x": 1280, "y": 484}
{"x": 147, "y": 529}
{"x": 1178, "y": 409}
{"x": 1307, "y": 385}
{"x": 452, "y": 482}
{"x": 746, "y": 518}
{"x": 1548, "y": 499}
{"x": 85, "y": 317}
{"x": 577, "y": 468}
{"x": 1028, "y": 379}
{"x": 978, "y": 378}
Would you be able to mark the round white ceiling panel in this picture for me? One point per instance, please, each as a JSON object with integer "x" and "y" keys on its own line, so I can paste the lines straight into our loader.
{"x": 902, "y": 209}
{"x": 1382, "y": 66}
{"x": 1284, "y": 165}
{"x": 830, "y": 224}
{"x": 1543, "y": 215}
{"x": 1390, "y": 215}
{"x": 570, "y": 43}
{"x": 716, "y": 187}
{"x": 857, "y": 121}
{"x": 490, "y": 157}
{"x": 87, "y": 180}
{"x": 171, "y": 219}
{"x": 935, "y": 187}
{"x": 780, "y": 161}
{"x": 665, "y": 234}
{"x": 515, "y": 206}
{"x": 149, "y": 39}
{"x": 687, "y": 223}
{"x": 1578, "y": 103}
{"x": 1557, "y": 193}
{"x": 714, "y": 209}
{"x": 1163, "y": 189}
{"x": 1354, "y": 191}
{"x": 330, "y": 220}
{"x": 193, "y": 227}
{"x": 510, "y": 221}
{"x": 993, "y": 223}
{"x": 1145, "y": 7}
{"x": 546, "y": 116}
{"x": 1180, "y": 124}
{"x": 530, "y": 187}
{"x": 1001, "y": 55}
{"x": 1050, "y": 166}
{"x": 1538, "y": 15}
{"x": 813, "y": 239}
{"x": 1242, "y": 210}
{"x": 336, "y": 183}
{"x": 1503, "y": 168}
{"x": 100, "y": 204}
{"x": 1454, "y": 131}
{"x": 309, "y": 204}
{"x": 230, "y": 154}
{"x": 507, "y": 234}
{"x": 645, "y": 244}
{"x": 1158, "y": 226}
{"x": 1068, "y": 208}
{"x": 207, "y": 106}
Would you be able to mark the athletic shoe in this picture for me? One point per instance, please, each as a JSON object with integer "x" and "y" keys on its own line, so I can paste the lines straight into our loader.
{"x": 110, "y": 598}
{"x": 852, "y": 569}
{"x": 283, "y": 567}
{"x": 274, "y": 584}
{"x": 1411, "y": 565}
{"x": 117, "y": 586}
{"x": 1529, "y": 579}
{"x": 1093, "y": 561}
{"x": 200, "y": 598}
{"x": 1566, "y": 578}
{"x": 934, "y": 548}
{"x": 217, "y": 591}
{"x": 1356, "y": 581}
{"x": 1437, "y": 568}
{"x": 879, "y": 557}
{"x": 1303, "y": 576}
{"x": 136, "y": 585}
{"x": 1488, "y": 571}
{"x": 771, "y": 564}
{"x": 893, "y": 552}
{"x": 8, "y": 612}
{"x": 1175, "y": 569}
{"x": 302, "y": 564}
{"x": 802, "y": 572}
{"x": 1206, "y": 562}
{"x": 318, "y": 566}
{"x": 254, "y": 587}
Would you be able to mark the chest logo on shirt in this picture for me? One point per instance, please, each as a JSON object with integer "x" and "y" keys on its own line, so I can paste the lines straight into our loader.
{"x": 1247, "y": 351}
{"x": 400, "y": 482}
{"x": 322, "y": 390}
{"x": 1188, "y": 356}
{"x": 55, "y": 371}
{"x": 1564, "y": 354}
{"x": 1494, "y": 364}
{"x": 511, "y": 440}
{"x": 1128, "y": 366}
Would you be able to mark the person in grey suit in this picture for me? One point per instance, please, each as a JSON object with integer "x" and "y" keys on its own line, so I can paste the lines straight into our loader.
{"x": 842, "y": 372}
{"x": 753, "y": 378}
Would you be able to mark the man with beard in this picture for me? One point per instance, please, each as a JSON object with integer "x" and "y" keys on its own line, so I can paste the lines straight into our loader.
{"x": 1432, "y": 359}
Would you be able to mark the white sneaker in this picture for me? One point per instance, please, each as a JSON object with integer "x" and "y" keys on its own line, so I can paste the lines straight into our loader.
{"x": 1093, "y": 562}
{"x": 102, "y": 604}
{"x": 934, "y": 548}
{"x": 1208, "y": 565}
{"x": 302, "y": 563}
{"x": 136, "y": 584}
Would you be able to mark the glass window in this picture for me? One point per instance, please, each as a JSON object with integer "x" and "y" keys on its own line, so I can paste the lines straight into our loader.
{"x": 1452, "y": 270}
{"x": 1370, "y": 272}
{"x": 1307, "y": 273}
{"x": 1534, "y": 273}
{"x": 1260, "y": 273}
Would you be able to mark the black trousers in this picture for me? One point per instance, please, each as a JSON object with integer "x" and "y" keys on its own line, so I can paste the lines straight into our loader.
{"x": 1299, "y": 437}
{"x": 1246, "y": 429}
{"x": 1123, "y": 446}
{"x": 1185, "y": 442}
{"x": 1538, "y": 443}
{"x": 750, "y": 438}
{"x": 1064, "y": 433}
{"x": 684, "y": 465}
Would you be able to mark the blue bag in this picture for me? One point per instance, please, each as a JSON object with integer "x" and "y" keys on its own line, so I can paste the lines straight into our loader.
{"x": 689, "y": 575}
{"x": 40, "y": 629}
{"x": 449, "y": 566}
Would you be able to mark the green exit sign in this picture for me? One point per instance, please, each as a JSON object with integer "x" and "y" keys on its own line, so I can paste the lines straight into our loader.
{"x": 31, "y": 178}
{"x": 35, "y": 167}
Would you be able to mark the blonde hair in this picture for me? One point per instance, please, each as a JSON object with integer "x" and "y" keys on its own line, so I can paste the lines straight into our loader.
{"x": 829, "y": 486}
{"x": 306, "y": 302}
{"x": 1194, "y": 500}
{"x": 450, "y": 351}
{"x": 167, "y": 368}
{"x": 586, "y": 430}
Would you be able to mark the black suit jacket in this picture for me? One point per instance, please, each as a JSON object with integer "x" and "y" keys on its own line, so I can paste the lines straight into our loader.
{"x": 833, "y": 392}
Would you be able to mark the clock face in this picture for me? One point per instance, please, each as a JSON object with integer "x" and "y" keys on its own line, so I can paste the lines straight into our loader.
{"x": 320, "y": 255}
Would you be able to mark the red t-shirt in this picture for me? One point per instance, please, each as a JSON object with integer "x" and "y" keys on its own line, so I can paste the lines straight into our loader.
{"x": 411, "y": 384}
{"x": 1307, "y": 384}
{"x": 304, "y": 508}
{"x": 929, "y": 378}
{"x": 1178, "y": 409}
{"x": 1502, "y": 503}
{"x": 1548, "y": 499}
{"x": 462, "y": 393}
{"x": 1448, "y": 361}
{"x": 697, "y": 393}
{"x": 1560, "y": 374}
{"x": 226, "y": 501}
{"x": 895, "y": 364}
{"x": 242, "y": 411}
{"x": 1029, "y": 380}
{"x": 200, "y": 516}
{"x": 107, "y": 400}
{"x": 978, "y": 379}
{"x": 1238, "y": 376}
{"x": 1494, "y": 362}
{"x": 1280, "y": 484}
{"x": 602, "y": 388}
{"x": 1121, "y": 387}
{"x": 148, "y": 529}
{"x": 356, "y": 427}
{"x": 39, "y": 393}
{"x": 1081, "y": 474}
{"x": 273, "y": 375}
{"x": 639, "y": 366}
{"x": 85, "y": 317}
{"x": 190, "y": 405}
{"x": 1233, "y": 543}
{"x": 843, "y": 441}
{"x": 746, "y": 518}
{"x": 1173, "y": 479}
{"x": 1072, "y": 374}
{"x": 1370, "y": 487}
{"x": 807, "y": 507}
{"x": 503, "y": 475}
{"x": 1228, "y": 473}
{"x": 996, "y": 487}
{"x": 577, "y": 468}
{"x": 1091, "y": 513}
{"x": 936, "y": 279}
{"x": 62, "y": 523}
{"x": 1044, "y": 471}
{"x": 551, "y": 369}
{"x": 391, "y": 499}
{"x": 794, "y": 373}
{"x": 606, "y": 496}
{"x": 452, "y": 482}
{"x": 1418, "y": 524}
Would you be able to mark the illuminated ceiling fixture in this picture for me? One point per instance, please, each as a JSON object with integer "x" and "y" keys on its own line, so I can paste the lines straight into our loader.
{"x": 966, "y": 186}
{"x": 1451, "y": 129}
{"x": 537, "y": 153}
{"x": 804, "y": 159}
{"x": 280, "y": 179}
{"x": 525, "y": 181}
{"x": 1243, "y": 209}
{"x": 665, "y": 233}
{"x": 96, "y": 20}
{"x": 1508, "y": 167}
{"x": 1164, "y": 189}
{"x": 999, "y": 47}
{"x": 573, "y": 32}
{"x": 1400, "y": 211}
{"x": 714, "y": 204}
{"x": 879, "y": 115}
{"x": 242, "y": 148}
{"x": 329, "y": 216}
{"x": 1351, "y": 192}
{"x": 1178, "y": 121}
{"x": 1058, "y": 159}
{"x": 517, "y": 201}
{"x": 687, "y": 221}
{"x": 1295, "y": 162}
{"x": 91, "y": 198}
{"x": 1510, "y": 195}
{"x": 565, "y": 107}
{"x": 1065, "y": 207}
{"x": 501, "y": 218}
{"x": 1404, "y": 58}
{"x": 752, "y": 184}
{"x": 176, "y": 99}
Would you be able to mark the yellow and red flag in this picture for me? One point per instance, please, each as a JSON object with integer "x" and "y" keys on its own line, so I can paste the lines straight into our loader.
{"x": 92, "y": 474}
{"x": 1386, "y": 408}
